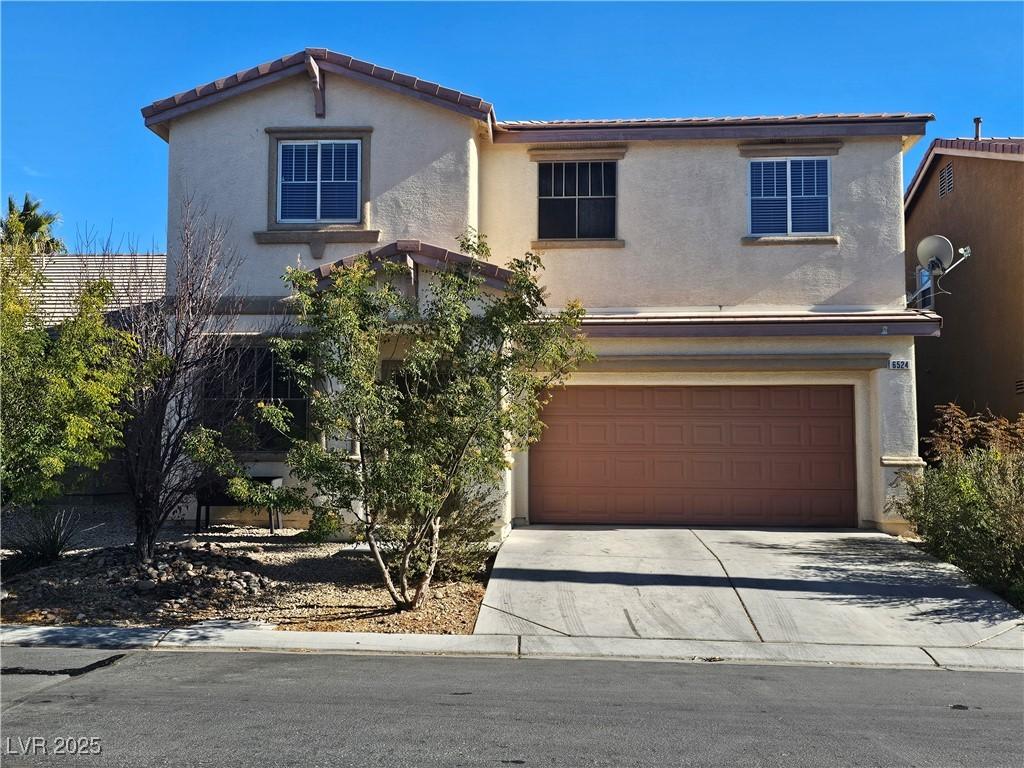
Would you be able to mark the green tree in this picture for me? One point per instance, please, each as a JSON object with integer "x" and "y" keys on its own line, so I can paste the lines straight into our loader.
{"x": 34, "y": 224}
{"x": 61, "y": 387}
{"x": 466, "y": 373}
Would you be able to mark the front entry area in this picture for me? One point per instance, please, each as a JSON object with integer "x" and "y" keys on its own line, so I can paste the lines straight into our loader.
{"x": 696, "y": 455}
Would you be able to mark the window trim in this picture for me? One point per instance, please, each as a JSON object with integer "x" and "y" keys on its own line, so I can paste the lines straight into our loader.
{"x": 789, "y": 197}
{"x": 613, "y": 238}
{"x": 318, "y": 134}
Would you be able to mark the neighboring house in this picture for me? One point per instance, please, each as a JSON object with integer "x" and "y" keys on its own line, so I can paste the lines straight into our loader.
{"x": 971, "y": 191}
{"x": 743, "y": 277}
{"x": 134, "y": 277}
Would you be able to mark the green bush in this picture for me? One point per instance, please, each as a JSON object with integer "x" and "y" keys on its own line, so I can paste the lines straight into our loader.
{"x": 467, "y": 529}
{"x": 467, "y": 532}
{"x": 968, "y": 506}
{"x": 323, "y": 524}
{"x": 41, "y": 536}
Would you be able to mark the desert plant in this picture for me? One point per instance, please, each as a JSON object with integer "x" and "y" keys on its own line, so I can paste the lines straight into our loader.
{"x": 968, "y": 507}
{"x": 62, "y": 384}
{"x": 471, "y": 366}
{"x": 41, "y": 536}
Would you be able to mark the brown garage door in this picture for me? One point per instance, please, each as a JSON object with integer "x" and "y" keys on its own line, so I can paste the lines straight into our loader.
{"x": 696, "y": 455}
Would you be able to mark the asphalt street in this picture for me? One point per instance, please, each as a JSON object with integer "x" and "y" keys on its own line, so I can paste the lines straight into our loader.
{"x": 150, "y": 708}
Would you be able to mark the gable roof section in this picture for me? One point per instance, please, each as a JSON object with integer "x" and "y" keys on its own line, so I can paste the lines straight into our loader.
{"x": 431, "y": 256}
{"x": 1011, "y": 148}
{"x": 307, "y": 62}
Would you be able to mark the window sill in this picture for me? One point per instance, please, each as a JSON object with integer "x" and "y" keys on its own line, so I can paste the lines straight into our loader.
{"x": 791, "y": 240}
{"x": 316, "y": 237}
{"x": 546, "y": 245}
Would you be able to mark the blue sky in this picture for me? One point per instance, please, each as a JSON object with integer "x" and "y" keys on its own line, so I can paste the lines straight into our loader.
{"x": 75, "y": 75}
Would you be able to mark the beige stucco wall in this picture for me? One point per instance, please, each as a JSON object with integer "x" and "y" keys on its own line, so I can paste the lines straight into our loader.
{"x": 421, "y": 160}
{"x": 683, "y": 211}
{"x": 885, "y": 423}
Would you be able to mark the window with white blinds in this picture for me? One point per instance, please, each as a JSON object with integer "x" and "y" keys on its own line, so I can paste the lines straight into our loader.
{"x": 319, "y": 181}
{"x": 790, "y": 196}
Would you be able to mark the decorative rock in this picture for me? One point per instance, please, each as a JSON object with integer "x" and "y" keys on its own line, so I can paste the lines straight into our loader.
{"x": 146, "y": 585}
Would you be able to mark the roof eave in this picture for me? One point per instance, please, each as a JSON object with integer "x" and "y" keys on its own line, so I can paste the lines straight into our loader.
{"x": 738, "y": 130}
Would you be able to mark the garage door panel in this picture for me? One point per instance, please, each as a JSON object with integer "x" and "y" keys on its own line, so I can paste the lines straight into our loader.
{"x": 696, "y": 455}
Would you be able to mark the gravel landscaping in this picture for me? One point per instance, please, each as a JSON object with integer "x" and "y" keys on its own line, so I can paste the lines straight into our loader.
{"x": 228, "y": 573}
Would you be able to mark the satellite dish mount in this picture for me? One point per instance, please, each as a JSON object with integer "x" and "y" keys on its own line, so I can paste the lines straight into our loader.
{"x": 938, "y": 258}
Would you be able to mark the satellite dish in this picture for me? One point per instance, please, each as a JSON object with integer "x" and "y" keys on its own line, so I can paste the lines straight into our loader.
{"x": 935, "y": 253}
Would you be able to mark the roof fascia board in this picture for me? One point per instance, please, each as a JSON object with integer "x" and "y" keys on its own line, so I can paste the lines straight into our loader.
{"x": 677, "y": 133}
{"x": 202, "y": 102}
{"x": 404, "y": 90}
{"x": 918, "y": 327}
{"x": 1011, "y": 156}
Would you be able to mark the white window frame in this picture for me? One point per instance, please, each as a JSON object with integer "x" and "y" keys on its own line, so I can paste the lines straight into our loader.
{"x": 359, "y": 179}
{"x": 789, "y": 196}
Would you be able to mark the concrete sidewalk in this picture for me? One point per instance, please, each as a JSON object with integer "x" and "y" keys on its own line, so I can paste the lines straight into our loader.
{"x": 219, "y": 636}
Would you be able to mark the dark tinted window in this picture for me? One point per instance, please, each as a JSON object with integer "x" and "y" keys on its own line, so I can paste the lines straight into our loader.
{"x": 576, "y": 200}
{"x": 246, "y": 377}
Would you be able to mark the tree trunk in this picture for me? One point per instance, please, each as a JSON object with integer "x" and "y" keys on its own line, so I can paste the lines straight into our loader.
{"x": 145, "y": 534}
{"x": 423, "y": 588}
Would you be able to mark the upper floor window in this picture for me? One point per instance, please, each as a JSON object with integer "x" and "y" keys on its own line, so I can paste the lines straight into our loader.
{"x": 790, "y": 196}
{"x": 576, "y": 200}
{"x": 318, "y": 181}
{"x": 946, "y": 180}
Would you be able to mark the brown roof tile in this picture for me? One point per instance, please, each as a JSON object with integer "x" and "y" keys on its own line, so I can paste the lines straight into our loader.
{"x": 838, "y": 117}
{"x": 472, "y": 105}
{"x": 432, "y": 256}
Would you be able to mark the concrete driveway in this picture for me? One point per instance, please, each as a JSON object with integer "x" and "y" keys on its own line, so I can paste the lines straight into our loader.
{"x": 772, "y": 586}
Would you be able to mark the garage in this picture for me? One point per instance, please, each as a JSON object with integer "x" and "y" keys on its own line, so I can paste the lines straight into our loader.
{"x": 687, "y": 455}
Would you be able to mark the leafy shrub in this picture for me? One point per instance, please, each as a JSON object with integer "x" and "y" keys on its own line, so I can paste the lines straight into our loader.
{"x": 467, "y": 528}
{"x": 467, "y": 532}
{"x": 41, "y": 536}
{"x": 968, "y": 506}
{"x": 323, "y": 524}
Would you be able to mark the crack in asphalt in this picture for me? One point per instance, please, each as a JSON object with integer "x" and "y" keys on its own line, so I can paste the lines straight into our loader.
{"x": 69, "y": 671}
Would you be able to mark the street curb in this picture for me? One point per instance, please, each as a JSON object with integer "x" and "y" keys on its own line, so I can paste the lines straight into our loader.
{"x": 209, "y": 638}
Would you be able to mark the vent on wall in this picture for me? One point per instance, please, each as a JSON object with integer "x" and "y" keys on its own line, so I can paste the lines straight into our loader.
{"x": 946, "y": 179}
{"x": 1018, "y": 387}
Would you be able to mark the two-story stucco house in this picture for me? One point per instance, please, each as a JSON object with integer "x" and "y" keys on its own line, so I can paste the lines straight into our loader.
{"x": 743, "y": 277}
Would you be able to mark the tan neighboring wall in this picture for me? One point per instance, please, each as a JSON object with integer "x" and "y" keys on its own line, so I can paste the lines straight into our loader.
{"x": 980, "y": 355}
{"x": 683, "y": 214}
{"x": 422, "y": 158}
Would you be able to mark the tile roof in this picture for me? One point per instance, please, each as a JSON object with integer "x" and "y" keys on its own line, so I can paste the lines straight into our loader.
{"x": 993, "y": 148}
{"x": 133, "y": 277}
{"x": 312, "y": 61}
{"x": 432, "y": 256}
{"x": 295, "y": 63}
{"x": 838, "y": 117}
